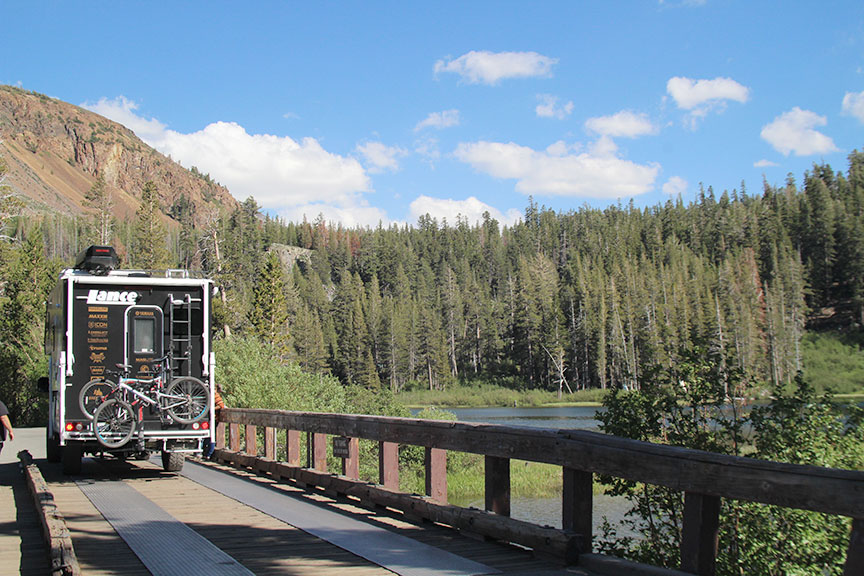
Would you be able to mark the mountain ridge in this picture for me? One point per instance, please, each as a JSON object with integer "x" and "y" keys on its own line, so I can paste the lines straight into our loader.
{"x": 55, "y": 151}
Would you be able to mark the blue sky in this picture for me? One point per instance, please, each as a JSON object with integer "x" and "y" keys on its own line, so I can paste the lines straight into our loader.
{"x": 382, "y": 111}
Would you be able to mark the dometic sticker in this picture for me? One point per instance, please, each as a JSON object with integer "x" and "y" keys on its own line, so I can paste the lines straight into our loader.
{"x": 112, "y": 297}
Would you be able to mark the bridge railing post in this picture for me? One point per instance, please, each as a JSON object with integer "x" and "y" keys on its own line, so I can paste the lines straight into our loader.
{"x": 234, "y": 437}
{"x": 577, "y": 505}
{"x": 351, "y": 465}
{"x": 269, "y": 443}
{"x": 700, "y": 533}
{"x": 251, "y": 440}
{"x": 292, "y": 447}
{"x": 318, "y": 450}
{"x": 855, "y": 553}
{"x": 435, "y": 462}
{"x": 498, "y": 485}
{"x": 388, "y": 465}
{"x": 220, "y": 435}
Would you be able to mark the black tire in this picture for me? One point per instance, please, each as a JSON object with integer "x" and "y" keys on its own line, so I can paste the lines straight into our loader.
{"x": 172, "y": 461}
{"x": 52, "y": 447}
{"x": 71, "y": 458}
{"x": 93, "y": 394}
{"x": 114, "y": 423}
{"x": 188, "y": 400}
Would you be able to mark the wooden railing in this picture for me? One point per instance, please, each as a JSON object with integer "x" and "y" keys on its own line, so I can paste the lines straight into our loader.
{"x": 703, "y": 477}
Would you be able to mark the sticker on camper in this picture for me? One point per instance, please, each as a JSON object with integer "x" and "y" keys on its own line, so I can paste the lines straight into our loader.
{"x": 125, "y": 298}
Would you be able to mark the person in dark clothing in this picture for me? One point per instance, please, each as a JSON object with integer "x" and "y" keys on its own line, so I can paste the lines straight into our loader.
{"x": 5, "y": 425}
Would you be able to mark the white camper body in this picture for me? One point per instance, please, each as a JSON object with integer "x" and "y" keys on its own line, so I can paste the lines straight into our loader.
{"x": 97, "y": 321}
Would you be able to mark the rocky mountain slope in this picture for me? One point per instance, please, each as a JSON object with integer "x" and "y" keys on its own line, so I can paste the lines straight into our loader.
{"x": 55, "y": 151}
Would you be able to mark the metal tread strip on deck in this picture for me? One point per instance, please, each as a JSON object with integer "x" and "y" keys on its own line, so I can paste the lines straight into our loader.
{"x": 387, "y": 549}
{"x": 166, "y": 546}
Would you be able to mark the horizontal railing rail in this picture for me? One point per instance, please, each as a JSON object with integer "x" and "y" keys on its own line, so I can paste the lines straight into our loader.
{"x": 703, "y": 477}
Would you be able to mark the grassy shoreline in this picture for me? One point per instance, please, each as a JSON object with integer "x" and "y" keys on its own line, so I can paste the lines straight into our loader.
{"x": 489, "y": 396}
{"x": 493, "y": 396}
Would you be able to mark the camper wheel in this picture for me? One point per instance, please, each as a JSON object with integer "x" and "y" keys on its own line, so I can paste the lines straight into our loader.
{"x": 71, "y": 458}
{"x": 172, "y": 461}
{"x": 52, "y": 447}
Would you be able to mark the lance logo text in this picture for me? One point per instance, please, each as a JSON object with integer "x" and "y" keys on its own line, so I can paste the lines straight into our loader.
{"x": 111, "y": 297}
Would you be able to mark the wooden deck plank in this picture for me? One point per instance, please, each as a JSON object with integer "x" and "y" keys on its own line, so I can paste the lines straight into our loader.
{"x": 263, "y": 544}
{"x": 505, "y": 558}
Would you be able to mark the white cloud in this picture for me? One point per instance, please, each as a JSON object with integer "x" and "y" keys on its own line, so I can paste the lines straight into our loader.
{"x": 360, "y": 214}
{"x": 122, "y": 110}
{"x": 439, "y": 120}
{"x": 471, "y": 209}
{"x": 675, "y": 186}
{"x": 624, "y": 124}
{"x": 561, "y": 170}
{"x": 794, "y": 132}
{"x": 765, "y": 164}
{"x": 482, "y": 67}
{"x": 281, "y": 173}
{"x": 549, "y": 107}
{"x": 853, "y": 104}
{"x": 693, "y": 94}
{"x": 427, "y": 148}
{"x": 380, "y": 157}
{"x": 699, "y": 97}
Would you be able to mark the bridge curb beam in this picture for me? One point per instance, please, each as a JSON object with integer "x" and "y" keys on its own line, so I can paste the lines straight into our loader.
{"x": 64, "y": 562}
{"x": 612, "y": 566}
{"x": 545, "y": 541}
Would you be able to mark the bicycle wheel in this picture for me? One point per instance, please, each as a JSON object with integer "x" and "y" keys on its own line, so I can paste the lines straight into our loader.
{"x": 114, "y": 423}
{"x": 93, "y": 394}
{"x": 187, "y": 400}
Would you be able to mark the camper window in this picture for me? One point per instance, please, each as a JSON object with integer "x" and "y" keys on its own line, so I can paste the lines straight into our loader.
{"x": 145, "y": 335}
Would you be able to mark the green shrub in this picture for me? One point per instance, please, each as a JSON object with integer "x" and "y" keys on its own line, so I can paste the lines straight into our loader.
{"x": 251, "y": 377}
{"x": 834, "y": 361}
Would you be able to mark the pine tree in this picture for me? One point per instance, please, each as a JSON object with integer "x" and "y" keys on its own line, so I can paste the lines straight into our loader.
{"x": 10, "y": 205}
{"x": 149, "y": 238}
{"x": 269, "y": 312}
{"x": 29, "y": 277}
{"x": 183, "y": 211}
{"x": 99, "y": 199}
{"x": 308, "y": 340}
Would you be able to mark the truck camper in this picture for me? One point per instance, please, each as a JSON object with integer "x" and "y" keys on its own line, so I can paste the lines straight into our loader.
{"x": 131, "y": 366}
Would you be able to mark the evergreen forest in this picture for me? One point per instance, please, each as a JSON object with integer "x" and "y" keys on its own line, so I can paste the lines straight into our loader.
{"x": 569, "y": 301}
{"x": 672, "y": 313}
{"x": 560, "y": 301}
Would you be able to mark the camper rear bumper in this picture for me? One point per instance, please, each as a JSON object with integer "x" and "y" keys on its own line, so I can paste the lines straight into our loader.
{"x": 149, "y": 435}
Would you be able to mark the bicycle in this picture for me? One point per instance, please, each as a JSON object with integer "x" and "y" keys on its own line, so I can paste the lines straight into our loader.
{"x": 117, "y": 409}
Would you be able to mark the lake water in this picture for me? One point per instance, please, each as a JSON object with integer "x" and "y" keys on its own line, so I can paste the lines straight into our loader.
{"x": 545, "y": 511}
{"x": 557, "y": 417}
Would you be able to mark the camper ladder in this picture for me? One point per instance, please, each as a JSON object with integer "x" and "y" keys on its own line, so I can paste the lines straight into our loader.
{"x": 180, "y": 333}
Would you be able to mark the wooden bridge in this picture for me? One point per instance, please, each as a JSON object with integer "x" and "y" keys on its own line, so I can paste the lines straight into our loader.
{"x": 309, "y": 519}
